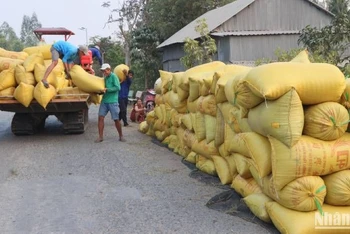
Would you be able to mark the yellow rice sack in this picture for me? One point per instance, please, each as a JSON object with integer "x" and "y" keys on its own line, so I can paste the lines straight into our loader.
{"x": 22, "y": 76}
{"x": 282, "y": 118}
{"x": 7, "y": 79}
{"x": 189, "y": 138}
{"x": 338, "y": 188}
{"x": 187, "y": 121}
{"x": 302, "y": 57}
{"x": 71, "y": 93}
{"x": 335, "y": 219}
{"x": 159, "y": 99}
{"x": 96, "y": 98}
{"x": 194, "y": 85}
{"x": 7, "y": 63}
{"x": 32, "y": 60}
{"x": 191, "y": 157}
{"x": 308, "y": 157}
{"x": 326, "y": 121}
{"x": 85, "y": 81}
{"x": 245, "y": 187}
{"x": 210, "y": 128}
{"x": 225, "y": 168}
{"x": 143, "y": 127}
{"x": 199, "y": 126}
{"x": 176, "y": 80}
{"x": 150, "y": 117}
{"x": 205, "y": 85}
{"x": 207, "y": 105}
{"x": 224, "y": 90}
{"x": 42, "y": 49}
{"x": 44, "y": 95}
{"x": 219, "y": 129}
{"x": 58, "y": 69}
{"x": 246, "y": 145}
{"x": 158, "y": 86}
{"x": 205, "y": 165}
{"x": 314, "y": 82}
{"x": 7, "y": 93}
{"x": 243, "y": 164}
{"x": 39, "y": 72}
{"x": 24, "y": 94}
{"x": 13, "y": 54}
{"x": 303, "y": 194}
{"x": 204, "y": 149}
{"x": 345, "y": 98}
{"x": 166, "y": 78}
{"x": 176, "y": 103}
{"x": 119, "y": 71}
{"x": 256, "y": 203}
{"x": 203, "y": 68}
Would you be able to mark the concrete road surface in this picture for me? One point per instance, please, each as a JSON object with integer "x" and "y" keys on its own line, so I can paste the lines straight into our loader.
{"x": 55, "y": 183}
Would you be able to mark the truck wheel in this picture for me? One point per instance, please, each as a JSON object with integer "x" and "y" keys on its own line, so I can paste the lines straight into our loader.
{"x": 74, "y": 122}
{"x": 23, "y": 124}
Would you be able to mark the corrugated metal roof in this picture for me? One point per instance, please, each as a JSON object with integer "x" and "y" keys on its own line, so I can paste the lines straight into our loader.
{"x": 252, "y": 33}
{"x": 215, "y": 18}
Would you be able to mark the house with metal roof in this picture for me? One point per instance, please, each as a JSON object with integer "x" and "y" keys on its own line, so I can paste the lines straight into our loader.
{"x": 248, "y": 30}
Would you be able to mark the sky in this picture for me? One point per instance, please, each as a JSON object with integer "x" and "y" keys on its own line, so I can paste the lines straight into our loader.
{"x": 70, "y": 14}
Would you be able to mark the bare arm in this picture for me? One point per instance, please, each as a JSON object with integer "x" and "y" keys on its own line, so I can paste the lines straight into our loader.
{"x": 49, "y": 69}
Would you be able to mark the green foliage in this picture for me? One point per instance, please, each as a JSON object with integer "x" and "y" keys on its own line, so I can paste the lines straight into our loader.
{"x": 329, "y": 43}
{"x": 169, "y": 16}
{"x": 338, "y": 7}
{"x": 9, "y": 39}
{"x": 147, "y": 59}
{"x": 29, "y": 24}
{"x": 112, "y": 52}
{"x": 199, "y": 52}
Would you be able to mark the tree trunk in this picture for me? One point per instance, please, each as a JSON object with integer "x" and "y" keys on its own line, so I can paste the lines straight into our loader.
{"x": 127, "y": 53}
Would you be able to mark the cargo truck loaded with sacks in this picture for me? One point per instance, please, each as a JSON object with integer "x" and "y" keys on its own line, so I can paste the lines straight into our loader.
{"x": 22, "y": 92}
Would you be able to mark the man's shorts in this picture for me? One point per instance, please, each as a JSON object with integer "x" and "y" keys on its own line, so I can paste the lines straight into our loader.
{"x": 109, "y": 107}
{"x": 55, "y": 55}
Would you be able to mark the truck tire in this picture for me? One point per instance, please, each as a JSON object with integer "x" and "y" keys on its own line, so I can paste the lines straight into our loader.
{"x": 27, "y": 123}
{"x": 23, "y": 124}
{"x": 74, "y": 122}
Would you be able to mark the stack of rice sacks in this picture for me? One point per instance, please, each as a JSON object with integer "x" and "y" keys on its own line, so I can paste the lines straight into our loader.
{"x": 277, "y": 133}
{"x": 21, "y": 74}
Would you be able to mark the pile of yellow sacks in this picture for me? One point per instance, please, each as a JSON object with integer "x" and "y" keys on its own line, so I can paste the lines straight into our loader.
{"x": 277, "y": 133}
{"x": 21, "y": 74}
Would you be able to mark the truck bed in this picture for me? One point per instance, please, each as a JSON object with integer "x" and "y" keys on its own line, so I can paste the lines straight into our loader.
{"x": 55, "y": 106}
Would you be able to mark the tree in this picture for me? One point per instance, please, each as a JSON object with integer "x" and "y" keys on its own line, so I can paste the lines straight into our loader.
{"x": 144, "y": 51}
{"x": 9, "y": 39}
{"x": 127, "y": 18}
{"x": 329, "y": 43}
{"x": 199, "y": 51}
{"x": 29, "y": 24}
{"x": 112, "y": 52}
{"x": 169, "y": 16}
{"x": 338, "y": 7}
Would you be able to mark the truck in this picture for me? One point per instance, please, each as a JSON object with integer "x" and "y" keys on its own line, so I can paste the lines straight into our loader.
{"x": 72, "y": 110}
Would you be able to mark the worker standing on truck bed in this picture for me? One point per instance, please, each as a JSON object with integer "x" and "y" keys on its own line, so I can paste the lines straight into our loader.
{"x": 109, "y": 102}
{"x": 68, "y": 53}
{"x": 96, "y": 53}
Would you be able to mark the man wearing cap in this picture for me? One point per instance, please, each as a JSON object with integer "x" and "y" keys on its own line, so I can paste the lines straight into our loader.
{"x": 96, "y": 53}
{"x": 109, "y": 102}
{"x": 68, "y": 53}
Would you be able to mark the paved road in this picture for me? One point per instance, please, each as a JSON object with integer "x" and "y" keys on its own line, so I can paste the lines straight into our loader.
{"x": 55, "y": 183}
